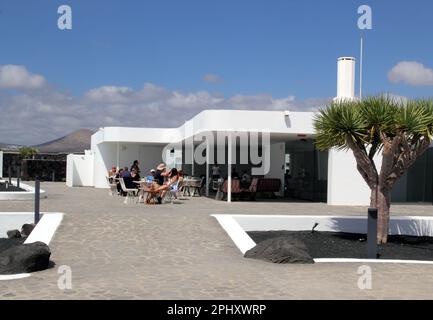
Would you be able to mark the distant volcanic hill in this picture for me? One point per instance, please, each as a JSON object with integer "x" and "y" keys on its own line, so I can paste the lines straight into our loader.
{"x": 5, "y": 146}
{"x": 75, "y": 142}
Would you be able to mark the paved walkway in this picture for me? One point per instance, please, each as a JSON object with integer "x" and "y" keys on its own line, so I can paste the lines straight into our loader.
{"x": 178, "y": 251}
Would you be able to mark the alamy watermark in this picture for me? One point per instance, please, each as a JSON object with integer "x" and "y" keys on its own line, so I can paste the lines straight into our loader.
{"x": 251, "y": 147}
{"x": 65, "y": 280}
{"x": 64, "y": 22}
{"x": 365, "y": 21}
{"x": 365, "y": 281}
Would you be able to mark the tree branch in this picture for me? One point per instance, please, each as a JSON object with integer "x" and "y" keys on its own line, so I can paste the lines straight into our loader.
{"x": 406, "y": 159}
{"x": 365, "y": 165}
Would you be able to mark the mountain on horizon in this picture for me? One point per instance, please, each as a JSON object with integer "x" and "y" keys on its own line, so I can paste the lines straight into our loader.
{"x": 8, "y": 146}
{"x": 75, "y": 142}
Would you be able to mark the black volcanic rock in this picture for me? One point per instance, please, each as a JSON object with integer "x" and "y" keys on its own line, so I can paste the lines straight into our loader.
{"x": 14, "y": 234}
{"x": 281, "y": 250}
{"x": 25, "y": 258}
{"x": 26, "y": 229}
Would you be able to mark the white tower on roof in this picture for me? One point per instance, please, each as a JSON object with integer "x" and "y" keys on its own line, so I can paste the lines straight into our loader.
{"x": 346, "y": 78}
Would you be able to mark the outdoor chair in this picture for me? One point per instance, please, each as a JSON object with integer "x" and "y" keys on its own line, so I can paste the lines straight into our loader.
{"x": 191, "y": 186}
{"x": 196, "y": 186}
{"x": 130, "y": 192}
{"x": 142, "y": 193}
{"x": 236, "y": 188}
{"x": 113, "y": 186}
{"x": 215, "y": 184}
{"x": 173, "y": 193}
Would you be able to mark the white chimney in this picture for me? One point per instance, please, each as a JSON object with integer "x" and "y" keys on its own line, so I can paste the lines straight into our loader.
{"x": 346, "y": 78}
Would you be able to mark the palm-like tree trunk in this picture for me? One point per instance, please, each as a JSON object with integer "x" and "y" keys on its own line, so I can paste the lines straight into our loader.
{"x": 381, "y": 199}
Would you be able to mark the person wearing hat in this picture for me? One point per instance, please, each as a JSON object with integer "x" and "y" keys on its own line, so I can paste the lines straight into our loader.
{"x": 160, "y": 173}
{"x": 151, "y": 177}
{"x": 159, "y": 177}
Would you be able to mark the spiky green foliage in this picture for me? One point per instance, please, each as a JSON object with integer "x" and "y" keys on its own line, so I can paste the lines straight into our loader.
{"x": 366, "y": 123}
{"x": 27, "y": 152}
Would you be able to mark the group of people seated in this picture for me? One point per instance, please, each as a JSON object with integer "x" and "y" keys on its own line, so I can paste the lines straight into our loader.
{"x": 129, "y": 176}
{"x": 244, "y": 177}
{"x": 161, "y": 180}
{"x": 157, "y": 183}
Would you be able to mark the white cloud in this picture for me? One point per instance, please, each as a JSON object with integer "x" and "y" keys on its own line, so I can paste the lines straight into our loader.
{"x": 17, "y": 77}
{"x": 109, "y": 94}
{"x": 32, "y": 116}
{"x": 212, "y": 78}
{"x": 412, "y": 73}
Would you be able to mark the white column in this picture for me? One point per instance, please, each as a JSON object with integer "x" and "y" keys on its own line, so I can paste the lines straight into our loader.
{"x": 229, "y": 169}
{"x": 118, "y": 156}
{"x": 192, "y": 158}
{"x": 207, "y": 166}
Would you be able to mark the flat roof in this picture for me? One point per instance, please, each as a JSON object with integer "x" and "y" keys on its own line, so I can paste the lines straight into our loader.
{"x": 277, "y": 123}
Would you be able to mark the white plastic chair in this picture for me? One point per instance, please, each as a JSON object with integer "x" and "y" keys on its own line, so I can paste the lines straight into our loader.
{"x": 130, "y": 192}
{"x": 113, "y": 187}
{"x": 173, "y": 193}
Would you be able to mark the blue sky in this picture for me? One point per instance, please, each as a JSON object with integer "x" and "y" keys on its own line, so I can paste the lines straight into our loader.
{"x": 278, "y": 48}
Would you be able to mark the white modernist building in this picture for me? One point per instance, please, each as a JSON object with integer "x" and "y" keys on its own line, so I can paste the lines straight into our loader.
{"x": 283, "y": 139}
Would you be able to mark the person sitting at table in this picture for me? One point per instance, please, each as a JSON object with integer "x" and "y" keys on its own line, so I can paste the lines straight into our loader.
{"x": 181, "y": 175}
{"x": 245, "y": 179}
{"x": 151, "y": 176}
{"x": 156, "y": 180}
{"x": 119, "y": 175}
{"x": 135, "y": 166}
{"x": 173, "y": 178}
{"x": 160, "y": 174}
{"x": 125, "y": 173}
{"x": 135, "y": 177}
{"x": 235, "y": 174}
{"x": 112, "y": 174}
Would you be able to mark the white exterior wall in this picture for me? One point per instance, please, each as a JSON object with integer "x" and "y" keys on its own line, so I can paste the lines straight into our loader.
{"x": 79, "y": 170}
{"x": 118, "y": 146}
{"x": 345, "y": 184}
{"x": 112, "y": 147}
{"x": 104, "y": 158}
{"x": 148, "y": 156}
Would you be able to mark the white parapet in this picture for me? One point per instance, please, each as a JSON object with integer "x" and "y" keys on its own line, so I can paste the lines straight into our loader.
{"x": 79, "y": 169}
{"x": 46, "y": 228}
{"x": 27, "y": 194}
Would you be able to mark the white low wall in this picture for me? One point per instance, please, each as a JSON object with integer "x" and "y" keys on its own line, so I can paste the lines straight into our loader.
{"x": 29, "y": 194}
{"x": 46, "y": 228}
{"x": 43, "y": 232}
{"x": 13, "y": 221}
{"x": 412, "y": 226}
{"x": 79, "y": 170}
{"x": 237, "y": 227}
